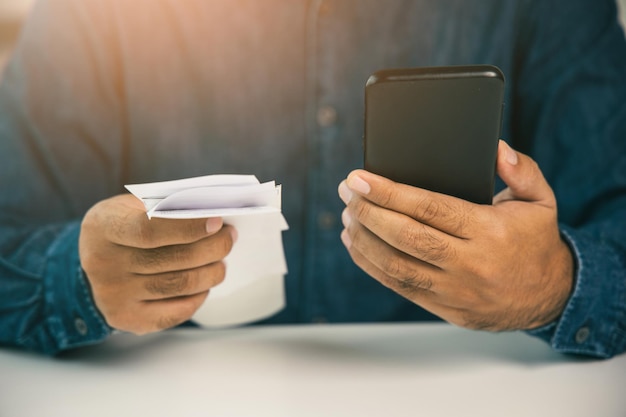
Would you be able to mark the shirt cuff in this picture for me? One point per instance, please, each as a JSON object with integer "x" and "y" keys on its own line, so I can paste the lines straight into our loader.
{"x": 73, "y": 320}
{"x": 593, "y": 322}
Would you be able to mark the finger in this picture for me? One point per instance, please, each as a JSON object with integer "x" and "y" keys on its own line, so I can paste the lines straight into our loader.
{"x": 431, "y": 301}
{"x": 404, "y": 233}
{"x": 451, "y": 215}
{"x": 415, "y": 291}
{"x": 152, "y": 316}
{"x": 126, "y": 223}
{"x": 181, "y": 257}
{"x": 523, "y": 178}
{"x": 174, "y": 311}
{"x": 409, "y": 271}
{"x": 179, "y": 283}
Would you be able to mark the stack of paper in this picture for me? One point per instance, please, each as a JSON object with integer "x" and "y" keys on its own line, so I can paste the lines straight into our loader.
{"x": 254, "y": 285}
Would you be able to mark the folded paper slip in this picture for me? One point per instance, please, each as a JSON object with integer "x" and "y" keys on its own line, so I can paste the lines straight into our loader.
{"x": 208, "y": 196}
{"x": 253, "y": 288}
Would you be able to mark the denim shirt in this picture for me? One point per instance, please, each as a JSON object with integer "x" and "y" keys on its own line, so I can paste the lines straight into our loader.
{"x": 101, "y": 93}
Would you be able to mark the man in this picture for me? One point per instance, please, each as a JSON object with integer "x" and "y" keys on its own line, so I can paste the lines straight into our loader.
{"x": 104, "y": 93}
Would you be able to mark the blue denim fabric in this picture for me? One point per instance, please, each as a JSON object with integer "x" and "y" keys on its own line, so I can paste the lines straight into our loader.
{"x": 103, "y": 93}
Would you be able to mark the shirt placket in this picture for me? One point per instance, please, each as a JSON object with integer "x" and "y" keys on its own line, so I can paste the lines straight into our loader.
{"x": 323, "y": 131}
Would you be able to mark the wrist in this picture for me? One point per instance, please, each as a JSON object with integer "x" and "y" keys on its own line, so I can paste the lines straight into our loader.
{"x": 559, "y": 285}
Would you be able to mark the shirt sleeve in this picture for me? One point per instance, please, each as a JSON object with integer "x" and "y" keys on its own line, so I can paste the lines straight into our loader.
{"x": 52, "y": 310}
{"x": 60, "y": 92}
{"x": 570, "y": 111}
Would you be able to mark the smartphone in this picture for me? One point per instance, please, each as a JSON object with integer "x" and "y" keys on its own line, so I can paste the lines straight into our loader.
{"x": 436, "y": 128}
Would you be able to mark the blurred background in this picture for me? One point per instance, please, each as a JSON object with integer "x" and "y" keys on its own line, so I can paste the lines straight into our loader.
{"x": 13, "y": 13}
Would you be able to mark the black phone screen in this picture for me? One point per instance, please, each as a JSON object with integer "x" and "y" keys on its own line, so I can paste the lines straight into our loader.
{"x": 436, "y": 128}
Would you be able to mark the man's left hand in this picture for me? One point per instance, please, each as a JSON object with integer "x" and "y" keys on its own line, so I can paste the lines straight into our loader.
{"x": 494, "y": 267}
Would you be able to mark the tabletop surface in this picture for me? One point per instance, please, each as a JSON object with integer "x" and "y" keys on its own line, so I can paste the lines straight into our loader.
{"x": 314, "y": 370}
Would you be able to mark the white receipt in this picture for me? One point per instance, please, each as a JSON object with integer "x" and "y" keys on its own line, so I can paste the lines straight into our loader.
{"x": 253, "y": 288}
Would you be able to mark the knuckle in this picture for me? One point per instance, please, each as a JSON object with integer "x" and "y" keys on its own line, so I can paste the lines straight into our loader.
{"x": 368, "y": 214}
{"x": 219, "y": 272}
{"x": 408, "y": 277}
{"x": 219, "y": 245}
{"x": 89, "y": 224}
{"x": 155, "y": 259}
{"x": 427, "y": 209}
{"x": 211, "y": 275}
{"x": 178, "y": 254}
{"x": 362, "y": 209}
{"x": 191, "y": 229}
{"x": 226, "y": 244}
{"x": 394, "y": 266}
{"x": 90, "y": 260}
{"x": 148, "y": 259}
{"x": 143, "y": 234}
{"x": 437, "y": 250}
{"x": 125, "y": 230}
{"x": 416, "y": 282}
{"x": 170, "y": 284}
{"x": 98, "y": 262}
{"x": 408, "y": 237}
{"x": 453, "y": 217}
{"x": 461, "y": 221}
{"x": 386, "y": 196}
{"x": 427, "y": 245}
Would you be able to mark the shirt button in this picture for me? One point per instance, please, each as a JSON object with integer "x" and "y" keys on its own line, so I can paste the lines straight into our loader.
{"x": 582, "y": 335}
{"x": 326, "y": 116}
{"x": 81, "y": 326}
{"x": 326, "y": 220}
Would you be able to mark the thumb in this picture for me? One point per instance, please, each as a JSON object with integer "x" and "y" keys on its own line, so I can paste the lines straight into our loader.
{"x": 522, "y": 176}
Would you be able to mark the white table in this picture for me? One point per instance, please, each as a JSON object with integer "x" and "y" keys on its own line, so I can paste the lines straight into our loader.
{"x": 327, "y": 370}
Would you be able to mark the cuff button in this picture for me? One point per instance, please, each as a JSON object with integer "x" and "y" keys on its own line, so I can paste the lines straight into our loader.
{"x": 80, "y": 326}
{"x": 582, "y": 335}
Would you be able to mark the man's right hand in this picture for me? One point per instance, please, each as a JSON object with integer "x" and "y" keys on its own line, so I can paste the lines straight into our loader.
{"x": 148, "y": 275}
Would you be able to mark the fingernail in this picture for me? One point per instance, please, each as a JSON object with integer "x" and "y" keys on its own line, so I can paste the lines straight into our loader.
{"x": 346, "y": 219}
{"x": 358, "y": 184}
{"x": 213, "y": 225}
{"x": 345, "y": 238}
{"x": 344, "y": 192}
{"x": 510, "y": 155}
